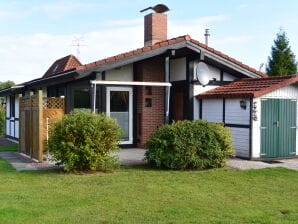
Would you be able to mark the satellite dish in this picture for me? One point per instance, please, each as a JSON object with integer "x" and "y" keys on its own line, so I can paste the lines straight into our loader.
{"x": 203, "y": 73}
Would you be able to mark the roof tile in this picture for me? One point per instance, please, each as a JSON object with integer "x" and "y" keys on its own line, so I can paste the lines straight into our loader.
{"x": 171, "y": 42}
{"x": 249, "y": 87}
{"x": 63, "y": 64}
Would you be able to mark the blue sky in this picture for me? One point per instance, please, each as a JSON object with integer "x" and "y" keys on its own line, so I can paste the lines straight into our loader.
{"x": 35, "y": 33}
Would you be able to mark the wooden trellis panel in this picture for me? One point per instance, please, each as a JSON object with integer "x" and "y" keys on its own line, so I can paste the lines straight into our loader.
{"x": 36, "y": 114}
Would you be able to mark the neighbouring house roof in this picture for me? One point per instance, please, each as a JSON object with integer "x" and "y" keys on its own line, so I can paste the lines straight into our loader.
{"x": 249, "y": 87}
{"x": 167, "y": 44}
{"x": 63, "y": 64}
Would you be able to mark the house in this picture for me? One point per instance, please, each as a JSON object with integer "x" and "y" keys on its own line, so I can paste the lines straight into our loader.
{"x": 144, "y": 88}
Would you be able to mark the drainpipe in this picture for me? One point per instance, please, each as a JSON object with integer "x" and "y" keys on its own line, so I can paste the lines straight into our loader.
{"x": 167, "y": 90}
{"x": 93, "y": 86}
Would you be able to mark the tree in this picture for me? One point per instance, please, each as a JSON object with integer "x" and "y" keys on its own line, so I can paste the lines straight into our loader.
{"x": 6, "y": 84}
{"x": 282, "y": 60}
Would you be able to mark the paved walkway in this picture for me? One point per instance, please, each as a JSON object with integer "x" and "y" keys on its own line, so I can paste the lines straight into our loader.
{"x": 4, "y": 141}
{"x": 248, "y": 164}
{"x": 21, "y": 162}
{"x": 135, "y": 156}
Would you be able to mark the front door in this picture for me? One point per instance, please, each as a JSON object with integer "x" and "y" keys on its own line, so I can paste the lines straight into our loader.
{"x": 278, "y": 128}
{"x": 178, "y": 106}
{"x": 119, "y": 107}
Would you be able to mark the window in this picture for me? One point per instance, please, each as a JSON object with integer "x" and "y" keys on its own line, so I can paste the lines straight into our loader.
{"x": 82, "y": 99}
{"x": 12, "y": 106}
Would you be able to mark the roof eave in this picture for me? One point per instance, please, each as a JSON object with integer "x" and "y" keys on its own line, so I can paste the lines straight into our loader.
{"x": 222, "y": 60}
{"x": 132, "y": 59}
{"x": 11, "y": 90}
{"x": 45, "y": 81}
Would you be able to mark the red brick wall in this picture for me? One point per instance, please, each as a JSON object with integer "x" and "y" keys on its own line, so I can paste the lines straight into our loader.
{"x": 149, "y": 118}
{"x": 155, "y": 28}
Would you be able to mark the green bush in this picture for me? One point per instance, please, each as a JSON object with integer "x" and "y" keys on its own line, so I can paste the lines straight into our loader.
{"x": 82, "y": 141}
{"x": 190, "y": 145}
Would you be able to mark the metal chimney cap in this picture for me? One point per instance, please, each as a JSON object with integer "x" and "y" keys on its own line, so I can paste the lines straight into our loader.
{"x": 159, "y": 8}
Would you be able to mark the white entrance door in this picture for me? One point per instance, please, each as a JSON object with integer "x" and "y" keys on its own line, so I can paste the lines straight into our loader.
{"x": 119, "y": 107}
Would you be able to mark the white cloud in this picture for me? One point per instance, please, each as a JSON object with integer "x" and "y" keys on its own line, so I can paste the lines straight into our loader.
{"x": 28, "y": 57}
{"x": 61, "y": 9}
{"x": 8, "y": 15}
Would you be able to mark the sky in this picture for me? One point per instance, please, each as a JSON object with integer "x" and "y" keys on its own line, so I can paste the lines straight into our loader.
{"x": 35, "y": 33}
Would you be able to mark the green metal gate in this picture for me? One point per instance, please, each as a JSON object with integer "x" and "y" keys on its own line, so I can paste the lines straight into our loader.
{"x": 278, "y": 128}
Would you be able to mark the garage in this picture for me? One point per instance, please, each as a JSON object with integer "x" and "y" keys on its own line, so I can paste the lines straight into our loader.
{"x": 261, "y": 113}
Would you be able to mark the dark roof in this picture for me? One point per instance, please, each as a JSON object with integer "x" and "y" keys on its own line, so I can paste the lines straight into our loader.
{"x": 249, "y": 87}
{"x": 165, "y": 43}
{"x": 63, "y": 64}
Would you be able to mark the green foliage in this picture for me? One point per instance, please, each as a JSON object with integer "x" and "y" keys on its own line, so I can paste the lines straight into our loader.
{"x": 3, "y": 85}
{"x": 282, "y": 61}
{"x": 190, "y": 145}
{"x": 83, "y": 141}
{"x": 2, "y": 121}
{"x": 6, "y": 84}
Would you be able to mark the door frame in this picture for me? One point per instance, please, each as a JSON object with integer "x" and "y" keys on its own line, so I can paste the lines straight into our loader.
{"x": 130, "y": 109}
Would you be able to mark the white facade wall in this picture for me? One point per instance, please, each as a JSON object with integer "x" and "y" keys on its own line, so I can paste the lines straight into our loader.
{"x": 124, "y": 73}
{"x": 7, "y": 130}
{"x": 240, "y": 138}
{"x": 212, "y": 110}
{"x": 12, "y": 123}
{"x": 228, "y": 77}
{"x": 288, "y": 92}
{"x": 196, "y": 105}
{"x": 234, "y": 114}
{"x": 214, "y": 73}
{"x": 17, "y": 116}
{"x": 17, "y": 106}
{"x": 178, "y": 69}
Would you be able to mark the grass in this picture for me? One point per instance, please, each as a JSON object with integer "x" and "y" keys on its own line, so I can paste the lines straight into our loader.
{"x": 11, "y": 148}
{"x": 144, "y": 195}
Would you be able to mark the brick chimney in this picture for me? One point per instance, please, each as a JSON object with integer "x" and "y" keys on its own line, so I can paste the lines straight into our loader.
{"x": 155, "y": 28}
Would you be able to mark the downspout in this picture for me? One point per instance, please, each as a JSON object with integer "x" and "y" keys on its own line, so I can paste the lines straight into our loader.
{"x": 94, "y": 97}
{"x": 167, "y": 90}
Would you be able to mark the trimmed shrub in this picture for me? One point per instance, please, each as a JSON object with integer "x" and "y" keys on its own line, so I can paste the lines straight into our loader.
{"x": 190, "y": 145}
{"x": 82, "y": 141}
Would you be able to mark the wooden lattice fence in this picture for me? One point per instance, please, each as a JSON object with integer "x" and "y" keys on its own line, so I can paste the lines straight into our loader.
{"x": 36, "y": 115}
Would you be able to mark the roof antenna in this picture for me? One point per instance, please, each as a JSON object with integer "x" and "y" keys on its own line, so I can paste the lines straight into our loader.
{"x": 159, "y": 8}
{"x": 207, "y": 35}
{"x": 77, "y": 43}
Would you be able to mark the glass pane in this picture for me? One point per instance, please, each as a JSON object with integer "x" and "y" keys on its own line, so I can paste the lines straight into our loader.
{"x": 119, "y": 101}
{"x": 82, "y": 99}
{"x": 119, "y": 109}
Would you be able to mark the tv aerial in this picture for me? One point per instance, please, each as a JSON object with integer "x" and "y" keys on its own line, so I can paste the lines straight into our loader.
{"x": 202, "y": 73}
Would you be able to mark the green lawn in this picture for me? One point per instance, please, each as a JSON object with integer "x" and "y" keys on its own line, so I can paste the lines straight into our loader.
{"x": 143, "y": 195}
{"x": 12, "y": 148}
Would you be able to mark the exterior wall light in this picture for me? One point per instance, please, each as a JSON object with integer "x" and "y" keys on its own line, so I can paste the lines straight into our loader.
{"x": 243, "y": 104}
